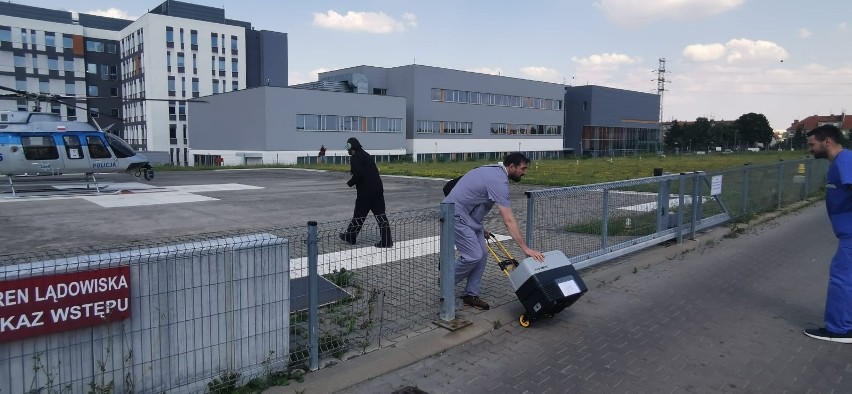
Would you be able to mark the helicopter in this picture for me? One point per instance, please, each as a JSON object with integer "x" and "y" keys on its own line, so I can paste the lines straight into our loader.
{"x": 34, "y": 143}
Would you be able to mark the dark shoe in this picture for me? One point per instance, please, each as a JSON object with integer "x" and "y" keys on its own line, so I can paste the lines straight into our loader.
{"x": 384, "y": 245}
{"x": 346, "y": 239}
{"x": 825, "y": 335}
{"x": 475, "y": 302}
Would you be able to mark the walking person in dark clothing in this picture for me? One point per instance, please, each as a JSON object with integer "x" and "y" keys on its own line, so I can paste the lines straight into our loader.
{"x": 370, "y": 197}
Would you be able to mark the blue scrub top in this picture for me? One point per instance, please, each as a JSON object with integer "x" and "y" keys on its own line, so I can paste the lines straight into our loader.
{"x": 838, "y": 195}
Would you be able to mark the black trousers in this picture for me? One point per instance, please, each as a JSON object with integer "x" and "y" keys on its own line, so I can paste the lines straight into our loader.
{"x": 363, "y": 206}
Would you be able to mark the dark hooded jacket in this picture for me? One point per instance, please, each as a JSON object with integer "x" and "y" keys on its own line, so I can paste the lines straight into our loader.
{"x": 365, "y": 174}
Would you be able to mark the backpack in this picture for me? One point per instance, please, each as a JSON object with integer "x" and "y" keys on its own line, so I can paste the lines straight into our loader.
{"x": 448, "y": 187}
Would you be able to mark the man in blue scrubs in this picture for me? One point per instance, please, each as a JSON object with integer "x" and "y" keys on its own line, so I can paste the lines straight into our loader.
{"x": 474, "y": 195}
{"x": 824, "y": 142}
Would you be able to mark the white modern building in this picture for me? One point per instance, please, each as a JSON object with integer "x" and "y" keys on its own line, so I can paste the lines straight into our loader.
{"x": 135, "y": 76}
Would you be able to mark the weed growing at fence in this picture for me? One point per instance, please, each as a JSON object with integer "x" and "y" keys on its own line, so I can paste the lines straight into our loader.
{"x": 639, "y": 225}
{"x": 342, "y": 278}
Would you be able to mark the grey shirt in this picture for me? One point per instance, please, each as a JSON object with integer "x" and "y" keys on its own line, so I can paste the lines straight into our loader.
{"x": 477, "y": 192}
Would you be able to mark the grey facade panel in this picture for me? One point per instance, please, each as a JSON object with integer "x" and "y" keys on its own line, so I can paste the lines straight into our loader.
{"x": 190, "y": 11}
{"x": 273, "y": 58}
{"x": 29, "y": 12}
{"x": 415, "y": 83}
{"x": 592, "y": 105}
{"x": 102, "y": 22}
{"x": 264, "y": 119}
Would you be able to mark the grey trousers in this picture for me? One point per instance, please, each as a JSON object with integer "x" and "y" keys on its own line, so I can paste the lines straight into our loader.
{"x": 473, "y": 257}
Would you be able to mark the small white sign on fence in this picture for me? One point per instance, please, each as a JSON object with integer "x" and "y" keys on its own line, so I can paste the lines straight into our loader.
{"x": 716, "y": 185}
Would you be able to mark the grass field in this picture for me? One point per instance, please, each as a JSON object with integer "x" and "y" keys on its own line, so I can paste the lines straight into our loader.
{"x": 570, "y": 172}
{"x": 566, "y": 172}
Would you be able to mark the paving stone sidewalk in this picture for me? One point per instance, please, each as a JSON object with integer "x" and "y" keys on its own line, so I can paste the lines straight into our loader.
{"x": 724, "y": 316}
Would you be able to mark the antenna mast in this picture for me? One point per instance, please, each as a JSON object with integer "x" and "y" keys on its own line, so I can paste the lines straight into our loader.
{"x": 661, "y": 84}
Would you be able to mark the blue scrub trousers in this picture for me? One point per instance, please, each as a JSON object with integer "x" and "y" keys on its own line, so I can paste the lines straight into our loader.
{"x": 838, "y": 303}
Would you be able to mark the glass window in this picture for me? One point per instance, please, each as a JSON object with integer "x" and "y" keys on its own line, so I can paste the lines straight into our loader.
{"x": 180, "y": 59}
{"x": 97, "y": 149}
{"x": 221, "y": 64}
{"x": 235, "y": 85}
{"x": 112, "y": 47}
{"x": 94, "y": 46}
{"x": 93, "y": 90}
{"x": 193, "y": 37}
{"x": 6, "y": 35}
{"x": 69, "y": 65}
{"x": 73, "y": 148}
{"x": 171, "y": 85}
{"x": 67, "y": 41}
{"x": 91, "y": 68}
{"x": 235, "y": 65}
{"x": 20, "y": 60}
{"x": 233, "y": 43}
{"x": 71, "y": 113}
{"x": 215, "y": 86}
{"x": 70, "y": 89}
{"x": 121, "y": 148}
{"x": 170, "y": 34}
{"x": 331, "y": 122}
{"x": 49, "y": 39}
{"x": 307, "y": 122}
{"x": 195, "y": 85}
{"x": 94, "y": 112}
{"x": 44, "y": 86}
{"x": 39, "y": 148}
{"x": 21, "y": 84}
{"x": 214, "y": 40}
{"x": 436, "y": 94}
{"x": 113, "y": 92}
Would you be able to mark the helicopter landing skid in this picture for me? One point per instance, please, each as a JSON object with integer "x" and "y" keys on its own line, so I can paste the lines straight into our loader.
{"x": 51, "y": 184}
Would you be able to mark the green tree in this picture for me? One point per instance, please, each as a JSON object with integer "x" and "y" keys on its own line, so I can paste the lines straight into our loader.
{"x": 799, "y": 140}
{"x": 674, "y": 137}
{"x": 754, "y": 128}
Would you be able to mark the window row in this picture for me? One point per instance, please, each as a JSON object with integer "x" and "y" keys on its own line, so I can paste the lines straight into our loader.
{"x": 444, "y": 127}
{"x": 35, "y": 61}
{"x": 501, "y": 100}
{"x": 53, "y": 40}
{"x": 44, "y": 86}
{"x": 215, "y": 40}
{"x": 45, "y": 148}
{"x": 218, "y": 86}
{"x": 310, "y": 122}
{"x": 525, "y": 129}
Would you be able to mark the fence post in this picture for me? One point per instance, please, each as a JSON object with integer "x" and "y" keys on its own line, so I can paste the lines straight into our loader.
{"x": 780, "y": 181}
{"x": 313, "y": 294}
{"x": 530, "y": 219}
{"x": 663, "y": 206}
{"x": 680, "y": 206}
{"x": 605, "y": 217}
{"x": 745, "y": 191}
{"x": 697, "y": 201}
{"x": 808, "y": 169}
{"x": 448, "y": 262}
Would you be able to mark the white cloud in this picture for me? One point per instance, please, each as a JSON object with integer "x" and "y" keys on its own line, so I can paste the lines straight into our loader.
{"x": 739, "y": 50}
{"x": 704, "y": 53}
{"x": 541, "y": 74}
{"x": 606, "y": 60}
{"x": 804, "y": 33}
{"x": 112, "y": 13}
{"x": 486, "y": 70}
{"x": 642, "y": 12}
{"x": 370, "y": 22}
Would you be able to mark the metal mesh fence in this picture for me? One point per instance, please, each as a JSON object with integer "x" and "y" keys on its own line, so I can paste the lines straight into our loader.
{"x": 592, "y": 223}
{"x": 215, "y": 311}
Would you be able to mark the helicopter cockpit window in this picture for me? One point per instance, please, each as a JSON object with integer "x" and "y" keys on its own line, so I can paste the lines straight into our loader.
{"x": 73, "y": 147}
{"x": 122, "y": 149}
{"x": 39, "y": 148}
{"x": 97, "y": 149}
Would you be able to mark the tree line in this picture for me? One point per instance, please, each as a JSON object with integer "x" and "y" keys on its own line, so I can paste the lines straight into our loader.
{"x": 749, "y": 130}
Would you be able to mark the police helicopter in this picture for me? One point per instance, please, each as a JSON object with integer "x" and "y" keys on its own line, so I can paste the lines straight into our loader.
{"x": 35, "y": 143}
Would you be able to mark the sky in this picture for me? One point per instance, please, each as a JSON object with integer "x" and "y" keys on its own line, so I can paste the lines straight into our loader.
{"x": 785, "y": 59}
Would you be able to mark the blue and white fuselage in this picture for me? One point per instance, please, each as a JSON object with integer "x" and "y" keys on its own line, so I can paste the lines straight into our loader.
{"x": 34, "y": 143}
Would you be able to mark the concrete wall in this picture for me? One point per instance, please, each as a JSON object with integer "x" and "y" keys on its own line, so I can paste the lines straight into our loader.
{"x": 196, "y": 310}
{"x": 264, "y": 120}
